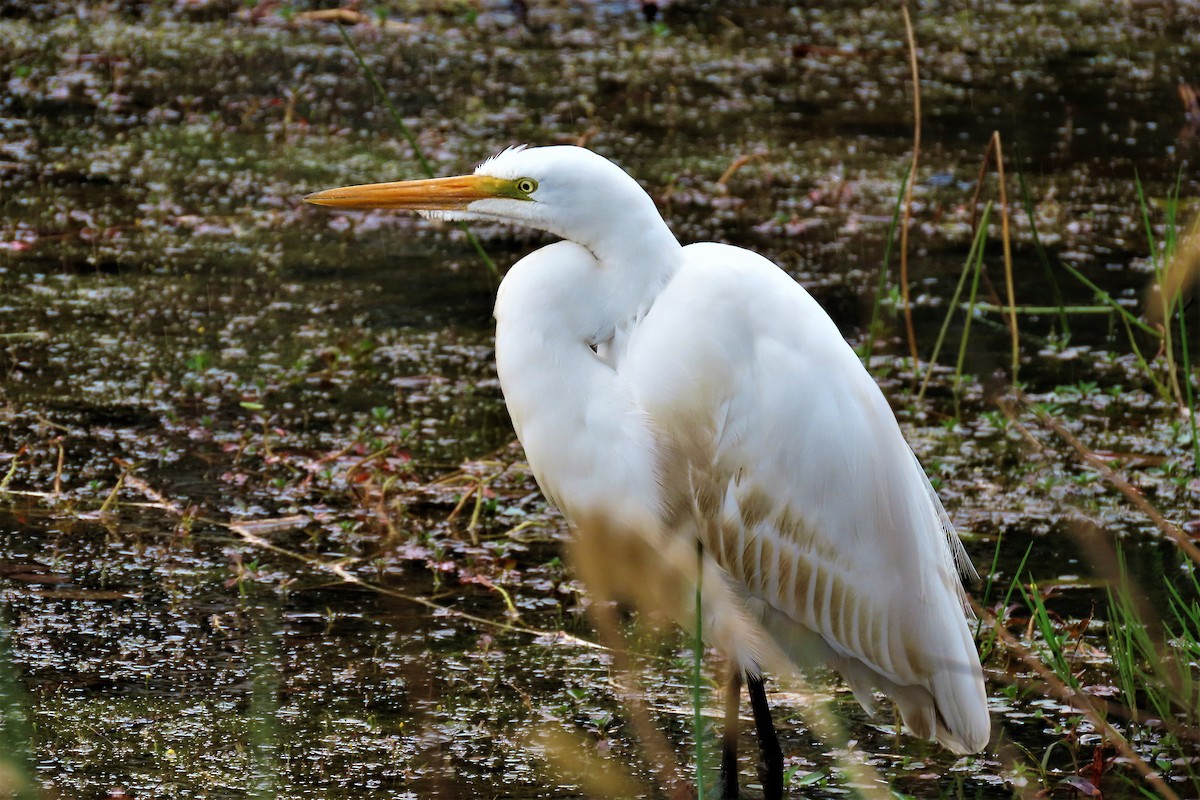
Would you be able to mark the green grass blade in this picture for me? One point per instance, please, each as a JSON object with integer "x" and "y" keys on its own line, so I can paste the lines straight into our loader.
{"x": 991, "y": 577}
{"x": 1176, "y": 306}
{"x": 881, "y": 285}
{"x": 16, "y": 762}
{"x": 977, "y": 245}
{"x": 970, "y": 315}
{"x": 1159, "y": 262}
{"x": 1043, "y": 256}
{"x": 1145, "y": 209}
{"x": 1054, "y": 642}
{"x": 1109, "y": 300}
{"x": 1041, "y": 310}
{"x": 263, "y": 734}
{"x": 1017, "y": 575}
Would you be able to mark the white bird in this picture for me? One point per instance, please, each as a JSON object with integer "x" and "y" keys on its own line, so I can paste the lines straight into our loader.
{"x": 667, "y": 395}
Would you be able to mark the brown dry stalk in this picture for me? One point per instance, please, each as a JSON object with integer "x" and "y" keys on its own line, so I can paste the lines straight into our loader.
{"x": 250, "y": 532}
{"x": 1077, "y": 700}
{"x": 58, "y": 470}
{"x": 1097, "y": 544}
{"x": 1008, "y": 271}
{"x": 988, "y": 286}
{"x": 1184, "y": 270}
{"x": 658, "y": 752}
{"x": 737, "y": 164}
{"x": 575, "y": 756}
{"x": 910, "y": 331}
{"x": 1118, "y": 480}
{"x": 1011, "y": 416}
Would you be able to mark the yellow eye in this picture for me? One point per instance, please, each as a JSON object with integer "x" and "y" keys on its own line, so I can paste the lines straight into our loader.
{"x": 526, "y": 185}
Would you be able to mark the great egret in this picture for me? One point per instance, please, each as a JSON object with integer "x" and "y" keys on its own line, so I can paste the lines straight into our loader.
{"x": 668, "y": 395}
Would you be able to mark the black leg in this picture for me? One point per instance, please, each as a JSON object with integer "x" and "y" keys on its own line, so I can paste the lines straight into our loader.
{"x": 729, "y": 768}
{"x": 770, "y": 764}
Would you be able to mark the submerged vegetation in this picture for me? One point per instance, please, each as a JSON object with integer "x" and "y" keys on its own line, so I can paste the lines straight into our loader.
{"x": 263, "y": 528}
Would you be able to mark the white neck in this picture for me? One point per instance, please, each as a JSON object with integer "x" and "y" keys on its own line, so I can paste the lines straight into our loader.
{"x": 554, "y": 306}
{"x": 634, "y": 259}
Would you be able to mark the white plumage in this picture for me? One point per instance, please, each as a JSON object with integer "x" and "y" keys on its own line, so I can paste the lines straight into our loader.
{"x": 666, "y": 395}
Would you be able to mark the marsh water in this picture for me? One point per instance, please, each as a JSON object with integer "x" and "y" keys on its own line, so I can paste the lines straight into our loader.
{"x": 264, "y": 531}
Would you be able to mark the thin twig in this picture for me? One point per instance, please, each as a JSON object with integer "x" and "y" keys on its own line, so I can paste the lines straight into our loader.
{"x": 58, "y": 469}
{"x": 1077, "y": 700}
{"x": 111, "y": 500}
{"x": 662, "y": 760}
{"x": 338, "y": 569}
{"x": 975, "y": 254}
{"x": 1008, "y": 270}
{"x": 974, "y": 206}
{"x": 1116, "y": 479}
{"x": 12, "y": 468}
{"x": 248, "y": 533}
{"x": 737, "y": 164}
{"x": 1013, "y": 420}
{"x": 904, "y": 290}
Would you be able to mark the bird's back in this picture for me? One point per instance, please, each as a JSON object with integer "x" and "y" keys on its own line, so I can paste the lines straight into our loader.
{"x": 789, "y": 464}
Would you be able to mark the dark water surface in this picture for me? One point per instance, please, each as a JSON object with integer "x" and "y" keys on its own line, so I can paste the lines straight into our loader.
{"x": 186, "y": 348}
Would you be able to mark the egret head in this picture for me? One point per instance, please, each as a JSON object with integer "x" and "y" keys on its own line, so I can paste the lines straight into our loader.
{"x": 568, "y": 191}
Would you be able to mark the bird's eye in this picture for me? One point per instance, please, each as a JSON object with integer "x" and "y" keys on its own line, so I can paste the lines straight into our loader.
{"x": 526, "y": 185}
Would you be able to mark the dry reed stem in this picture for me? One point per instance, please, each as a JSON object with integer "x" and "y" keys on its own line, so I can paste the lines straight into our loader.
{"x": 574, "y": 755}
{"x": 1077, "y": 700}
{"x": 58, "y": 469}
{"x": 910, "y": 331}
{"x": 250, "y": 532}
{"x": 988, "y": 286}
{"x": 1097, "y": 544}
{"x": 1011, "y": 416}
{"x": 737, "y": 164}
{"x": 1008, "y": 270}
{"x": 1118, "y": 480}
{"x": 1183, "y": 270}
{"x": 659, "y": 754}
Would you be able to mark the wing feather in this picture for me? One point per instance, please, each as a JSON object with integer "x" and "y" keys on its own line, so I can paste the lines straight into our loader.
{"x": 803, "y": 487}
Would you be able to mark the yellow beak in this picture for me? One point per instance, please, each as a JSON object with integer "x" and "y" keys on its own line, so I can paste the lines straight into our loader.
{"x": 434, "y": 194}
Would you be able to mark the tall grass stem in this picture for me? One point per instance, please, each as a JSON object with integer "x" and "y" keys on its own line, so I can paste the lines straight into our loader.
{"x": 1006, "y": 241}
{"x": 974, "y": 255}
{"x": 909, "y": 329}
{"x": 881, "y": 284}
{"x": 1158, "y": 261}
{"x": 1043, "y": 256}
